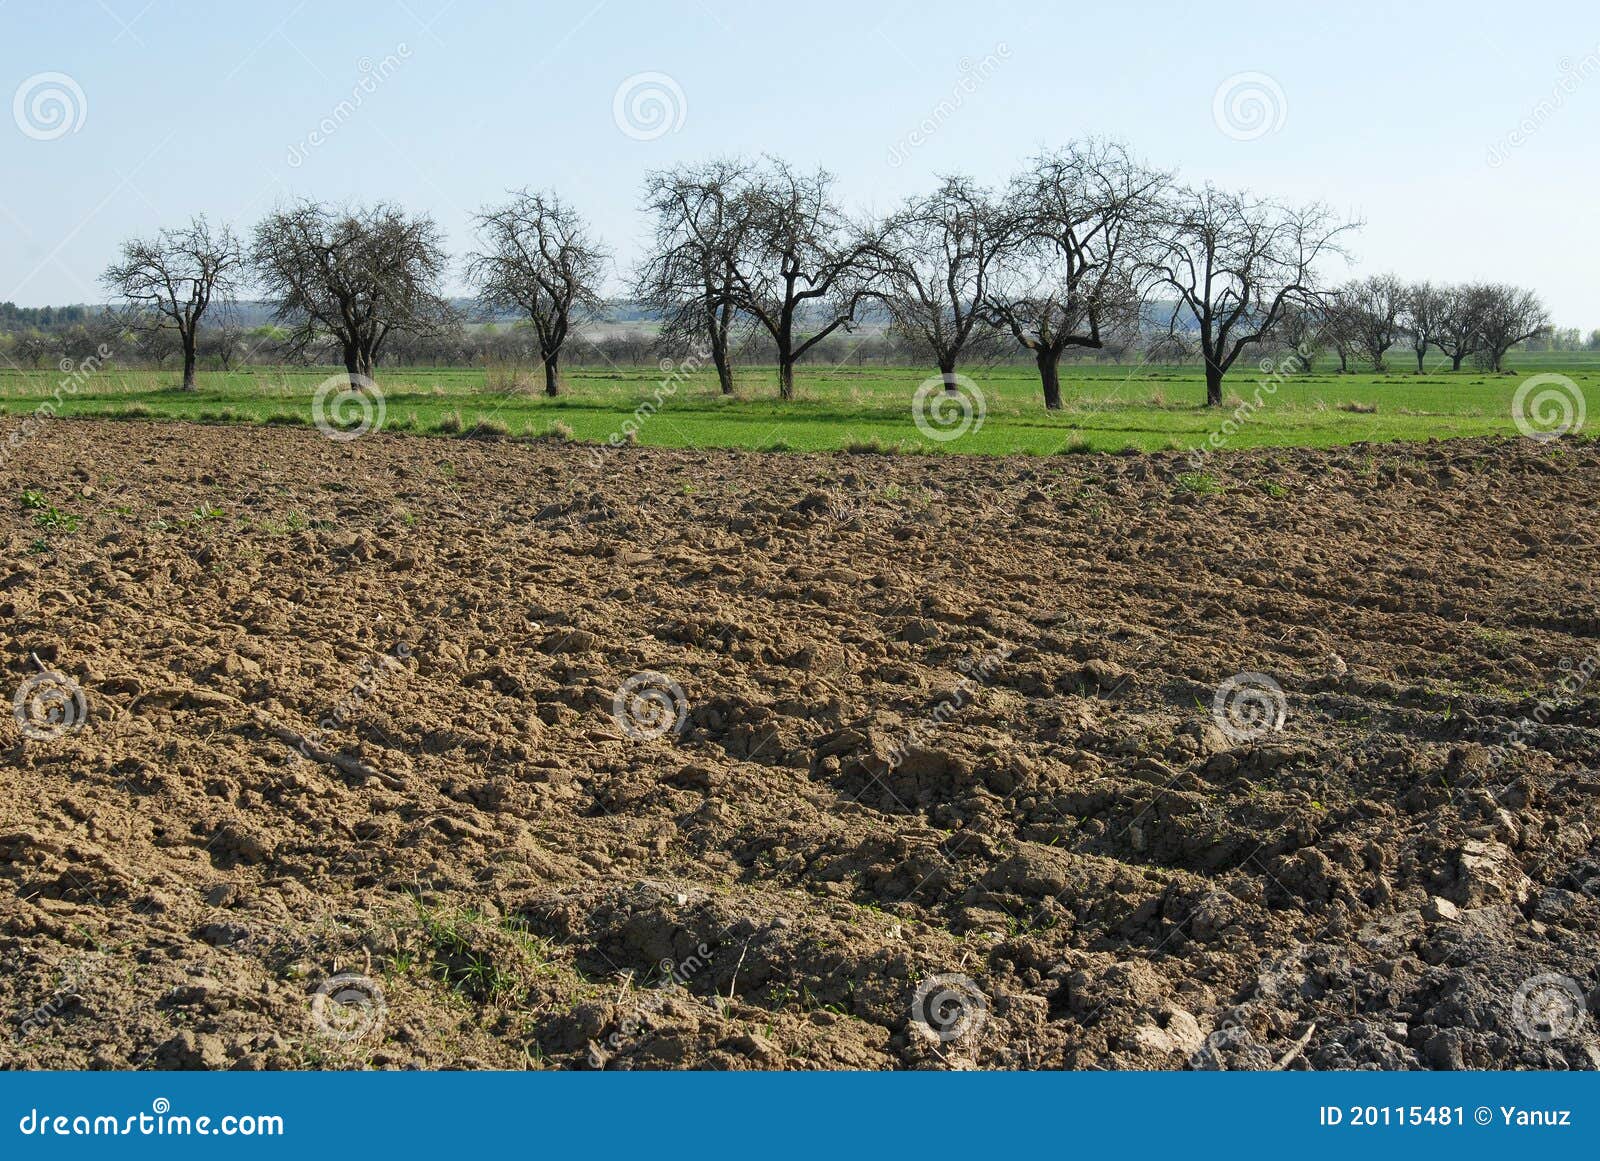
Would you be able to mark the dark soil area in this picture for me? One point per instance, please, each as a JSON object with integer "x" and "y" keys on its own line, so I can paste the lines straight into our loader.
{"x": 320, "y": 760}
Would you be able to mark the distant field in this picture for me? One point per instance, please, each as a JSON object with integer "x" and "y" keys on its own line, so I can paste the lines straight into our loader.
{"x": 1109, "y": 408}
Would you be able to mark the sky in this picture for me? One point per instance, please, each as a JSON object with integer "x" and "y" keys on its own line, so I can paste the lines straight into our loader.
{"x": 1464, "y": 138}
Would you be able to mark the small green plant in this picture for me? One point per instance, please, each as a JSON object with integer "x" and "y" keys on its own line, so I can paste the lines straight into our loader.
{"x": 53, "y": 519}
{"x": 32, "y": 498}
{"x": 204, "y": 512}
{"x": 1275, "y": 490}
{"x": 1199, "y": 483}
{"x": 483, "y": 959}
{"x": 40, "y": 545}
{"x": 782, "y": 995}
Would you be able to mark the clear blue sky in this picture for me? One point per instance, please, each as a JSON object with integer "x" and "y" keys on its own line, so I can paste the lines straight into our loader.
{"x": 1386, "y": 110}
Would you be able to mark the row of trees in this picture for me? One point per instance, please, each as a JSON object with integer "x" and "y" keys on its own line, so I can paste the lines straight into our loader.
{"x": 1482, "y": 321}
{"x": 1087, "y": 248}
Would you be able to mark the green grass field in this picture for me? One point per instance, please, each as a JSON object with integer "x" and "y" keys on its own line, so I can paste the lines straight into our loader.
{"x": 1109, "y": 407}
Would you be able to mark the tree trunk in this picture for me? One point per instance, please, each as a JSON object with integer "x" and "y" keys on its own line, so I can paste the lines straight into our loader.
{"x": 1455, "y": 362}
{"x": 552, "y": 374}
{"x": 188, "y": 364}
{"x": 1213, "y": 384}
{"x": 1421, "y": 352}
{"x": 785, "y": 377}
{"x": 724, "y": 365}
{"x": 1049, "y": 377}
{"x": 352, "y": 365}
{"x": 947, "y": 372}
{"x": 718, "y": 318}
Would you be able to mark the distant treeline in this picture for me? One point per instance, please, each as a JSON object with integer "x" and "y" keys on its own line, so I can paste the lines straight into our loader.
{"x": 625, "y": 335}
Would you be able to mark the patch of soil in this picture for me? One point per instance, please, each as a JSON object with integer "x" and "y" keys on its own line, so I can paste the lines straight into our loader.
{"x": 408, "y": 752}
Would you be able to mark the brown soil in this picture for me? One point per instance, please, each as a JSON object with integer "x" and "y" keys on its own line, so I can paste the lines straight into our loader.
{"x": 942, "y": 718}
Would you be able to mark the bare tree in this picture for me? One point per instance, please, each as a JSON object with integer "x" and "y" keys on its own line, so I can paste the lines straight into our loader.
{"x": 1237, "y": 263}
{"x": 168, "y": 282}
{"x": 1509, "y": 315}
{"x": 1375, "y": 305}
{"x": 1458, "y": 331}
{"x": 1423, "y": 316}
{"x": 1300, "y": 333}
{"x": 540, "y": 259}
{"x": 30, "y": 347}
{"x": 690, "y": 277}
{"x": 937, "y": 254}
{"x": 1341, "y": 329}
{"x": 1073, "y": 226}
{"x": 356, "y": 276}
{"x": 803, "y": 268}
